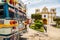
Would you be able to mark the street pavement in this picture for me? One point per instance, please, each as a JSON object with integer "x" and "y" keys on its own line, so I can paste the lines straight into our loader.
{"x": 52, "y": 34}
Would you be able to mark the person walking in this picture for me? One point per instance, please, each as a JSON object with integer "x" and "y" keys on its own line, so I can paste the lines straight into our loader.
{"x": 30, "y": 22}
{"x": 45, "y": 27}
{"x": 25, "y": 23}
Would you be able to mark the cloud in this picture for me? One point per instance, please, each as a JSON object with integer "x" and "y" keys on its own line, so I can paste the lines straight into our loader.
{"x": 33, "y": 4}
{"x": 30, "y": 1}
{"x": 35, "y": 1}
{"x": 0, "y": 0}
{"x": 51, "y": 6}
{"x": 32, "y": 10}
{"x": 24, "y": 0}
{"x": 48, "y": 6}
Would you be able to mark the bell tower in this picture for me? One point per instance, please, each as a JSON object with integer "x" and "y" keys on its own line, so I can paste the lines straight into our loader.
{"x": 37, "y": 11}
{"x": 45, "y": 9}
{"x": 53, "y": 13}
{"x": 53, "y": 10}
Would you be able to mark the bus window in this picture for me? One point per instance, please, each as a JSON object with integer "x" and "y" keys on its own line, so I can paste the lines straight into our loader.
{"x": 1, "y": 12}
{"x": 11, "y": 14}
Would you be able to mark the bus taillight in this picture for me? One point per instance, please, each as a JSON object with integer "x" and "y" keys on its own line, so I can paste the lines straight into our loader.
{"x": 13, "y": 22}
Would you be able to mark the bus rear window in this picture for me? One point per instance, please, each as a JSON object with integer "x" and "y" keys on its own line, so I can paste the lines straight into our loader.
{"x": 11, "y": 14}
{"x": 1, "y": 12}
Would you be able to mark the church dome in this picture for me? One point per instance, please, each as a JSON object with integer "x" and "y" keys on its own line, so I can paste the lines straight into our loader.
{"x": 45, "y": 8}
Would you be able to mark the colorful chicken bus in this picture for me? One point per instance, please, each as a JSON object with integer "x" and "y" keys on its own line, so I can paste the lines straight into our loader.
{"x": 8, "y": 21}
{"x": 8, "y": 17}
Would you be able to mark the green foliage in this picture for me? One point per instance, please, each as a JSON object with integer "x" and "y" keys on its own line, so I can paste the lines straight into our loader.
{"x": 41, "y": 29}
{"x": 36, "y": 16}
{"x": 37, "y": 21}
{"x": 57, "y": 20}
{"x": 33, "y": 16}
{"x": 32, "y": 26}
{"x": 37, "y": 26}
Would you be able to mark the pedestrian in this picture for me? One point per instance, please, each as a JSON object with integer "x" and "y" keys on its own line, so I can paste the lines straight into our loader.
{"x": 45, "y": 27}
{"x": 30, "y": 22}
{"x": 25, "y": 24}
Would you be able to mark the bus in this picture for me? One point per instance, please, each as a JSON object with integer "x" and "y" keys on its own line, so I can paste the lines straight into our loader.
{"x": 9, "y": 18}
{"x": 10, "y": 15}
{"x": 7, "y": 15}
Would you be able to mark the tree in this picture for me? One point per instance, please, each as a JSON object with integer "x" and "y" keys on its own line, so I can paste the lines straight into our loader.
{"x": 57, "y": 20}
{"x": 36, "y": 16}
{"x": 33, "y": 16}
{"x": 38, "y": 24}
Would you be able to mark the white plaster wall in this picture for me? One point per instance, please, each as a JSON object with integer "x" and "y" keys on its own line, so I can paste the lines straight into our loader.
{"x": 50, "y": 15}
{"x": 49, "y": 20}
{"x": 53, "y": 15}
{"x": 45, "y": 17}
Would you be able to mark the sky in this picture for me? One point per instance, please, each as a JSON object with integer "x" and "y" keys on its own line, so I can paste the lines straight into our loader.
{"x": 39, "y": 4}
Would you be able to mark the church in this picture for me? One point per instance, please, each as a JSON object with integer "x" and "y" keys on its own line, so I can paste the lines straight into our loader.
{"x": 47, "y": 15}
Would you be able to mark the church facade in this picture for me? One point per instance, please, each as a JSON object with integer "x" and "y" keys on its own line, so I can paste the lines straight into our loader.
{"x": 47, "y": 15}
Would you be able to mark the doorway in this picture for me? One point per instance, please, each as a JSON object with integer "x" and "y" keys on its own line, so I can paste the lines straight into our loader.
{"x": 44, "y": 21}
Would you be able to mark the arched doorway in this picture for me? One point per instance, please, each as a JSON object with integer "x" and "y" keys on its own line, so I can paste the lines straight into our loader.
{"x": 44, "y": 21}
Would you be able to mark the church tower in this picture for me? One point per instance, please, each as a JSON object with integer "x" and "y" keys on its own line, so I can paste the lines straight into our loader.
{"x": 45, "y": 9}
{"x": 53, "y": 13}
{"x": 45, "y": 15}
{"x": 37, "y": 11}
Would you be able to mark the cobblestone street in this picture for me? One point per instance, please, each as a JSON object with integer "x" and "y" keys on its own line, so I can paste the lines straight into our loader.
{"x": 29, "y": 19}
{"x": 52, "y": 34}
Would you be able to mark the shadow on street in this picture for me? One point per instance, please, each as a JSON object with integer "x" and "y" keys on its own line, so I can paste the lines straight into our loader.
{"x": 23, "y": 38}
